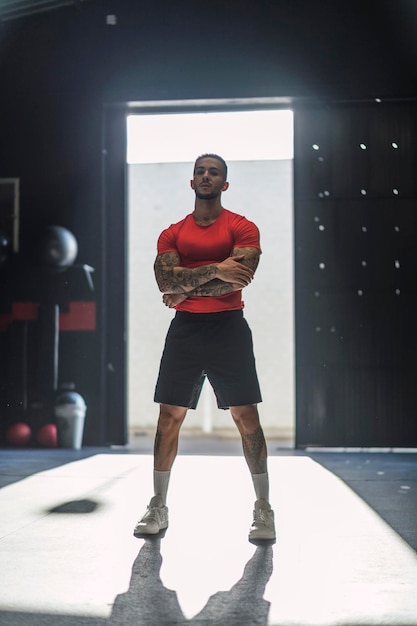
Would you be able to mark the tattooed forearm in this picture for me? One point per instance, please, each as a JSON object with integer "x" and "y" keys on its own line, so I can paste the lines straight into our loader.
{"x": 254, "y": 449}
{"x": 224, "y": 277}
{"x": 172, "y": 278}
{"x": 185, "y": 279}
{"x": 215, "y": 287}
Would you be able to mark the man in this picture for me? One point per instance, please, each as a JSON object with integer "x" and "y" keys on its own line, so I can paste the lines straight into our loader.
{"x": 203, "y": 262}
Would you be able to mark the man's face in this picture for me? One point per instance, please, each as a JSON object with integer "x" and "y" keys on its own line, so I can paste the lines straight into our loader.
{"x": 209, "y": 178}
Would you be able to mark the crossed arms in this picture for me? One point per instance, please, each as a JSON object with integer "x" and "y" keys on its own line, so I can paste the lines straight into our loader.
{"x": 217, "y": 279}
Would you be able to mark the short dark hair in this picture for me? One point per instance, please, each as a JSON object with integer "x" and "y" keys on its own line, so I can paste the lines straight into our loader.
{"x": 212, "y": 155}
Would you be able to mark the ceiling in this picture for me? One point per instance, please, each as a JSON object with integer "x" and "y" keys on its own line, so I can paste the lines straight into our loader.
{"x": 15, "y": 9}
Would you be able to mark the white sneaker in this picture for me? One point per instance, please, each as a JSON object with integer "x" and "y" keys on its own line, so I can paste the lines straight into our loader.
{"x": 154, "y": 520}
{"x": 263, "y": 525}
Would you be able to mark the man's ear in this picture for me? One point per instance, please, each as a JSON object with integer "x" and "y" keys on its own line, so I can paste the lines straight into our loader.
{"x": 225, "y": 186}
{"x": 192, "y": 184}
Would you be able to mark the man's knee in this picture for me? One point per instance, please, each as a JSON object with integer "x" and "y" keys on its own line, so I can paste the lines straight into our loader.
{"x": 246, "y": 417}
{"x": 171, "y": 417}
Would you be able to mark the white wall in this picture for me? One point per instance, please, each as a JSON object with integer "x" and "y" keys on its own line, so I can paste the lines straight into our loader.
{"x": 159, "y": 194}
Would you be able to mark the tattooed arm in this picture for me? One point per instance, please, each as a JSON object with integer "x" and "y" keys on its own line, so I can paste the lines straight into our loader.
{"x": 174, "y": 279}
{"x": 216, "y": 287}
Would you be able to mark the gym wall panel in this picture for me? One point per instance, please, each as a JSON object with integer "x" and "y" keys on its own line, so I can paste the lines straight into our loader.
{"x": 355, "y": 263}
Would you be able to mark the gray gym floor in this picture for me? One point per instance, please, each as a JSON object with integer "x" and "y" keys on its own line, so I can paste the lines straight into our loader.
{"x": 345, "y": 553}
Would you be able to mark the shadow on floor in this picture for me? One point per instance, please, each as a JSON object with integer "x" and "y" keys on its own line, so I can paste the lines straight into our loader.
{"x": 148, "y": 603}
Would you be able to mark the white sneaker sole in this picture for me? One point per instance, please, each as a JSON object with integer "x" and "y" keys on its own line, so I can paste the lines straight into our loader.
{"x": 262, "y": 537}
{"x": 143, "y": 534}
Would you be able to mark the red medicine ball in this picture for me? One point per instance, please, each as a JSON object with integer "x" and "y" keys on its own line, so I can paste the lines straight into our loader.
{"x": 19, "y": 434}
{"x": 46, "y": 436}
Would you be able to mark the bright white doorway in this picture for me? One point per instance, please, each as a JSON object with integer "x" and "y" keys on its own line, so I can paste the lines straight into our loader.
{"x": 258, "y": 147}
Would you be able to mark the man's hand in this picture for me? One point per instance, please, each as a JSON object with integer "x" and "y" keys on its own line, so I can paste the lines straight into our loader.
{"x": 231, "y": 270}
{"x": 172, "y": 299}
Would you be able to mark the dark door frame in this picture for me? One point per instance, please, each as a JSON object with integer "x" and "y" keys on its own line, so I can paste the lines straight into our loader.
{"x": 114, "y": 224}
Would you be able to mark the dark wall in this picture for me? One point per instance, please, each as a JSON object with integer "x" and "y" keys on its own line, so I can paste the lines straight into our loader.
{"x": 355, "y": 267}
{"x": 58, "y": 69}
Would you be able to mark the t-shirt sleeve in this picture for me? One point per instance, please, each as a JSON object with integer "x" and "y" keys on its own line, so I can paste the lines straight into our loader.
{"x": 166, "y": 241}
{"x": 246, "y": 234}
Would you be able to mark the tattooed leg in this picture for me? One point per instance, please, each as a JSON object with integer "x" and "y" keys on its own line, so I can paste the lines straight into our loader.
{"x": 253, "y": 440}
{"x": 167, "y": 434}
{"x": 254, "y": 449}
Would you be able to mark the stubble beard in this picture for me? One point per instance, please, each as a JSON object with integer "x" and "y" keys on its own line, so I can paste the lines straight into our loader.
{"x": 211, "y": 195}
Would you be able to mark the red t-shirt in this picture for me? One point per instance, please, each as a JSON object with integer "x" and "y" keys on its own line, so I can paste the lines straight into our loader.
{"x": 203, "y": 245}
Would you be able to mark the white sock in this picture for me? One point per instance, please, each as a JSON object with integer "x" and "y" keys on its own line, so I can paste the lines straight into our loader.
{"x": 261, "y": 484}
{"x": 160, "y": 484}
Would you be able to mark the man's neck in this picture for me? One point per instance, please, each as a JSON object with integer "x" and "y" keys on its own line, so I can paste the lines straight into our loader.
{"x": 206, "y": 211}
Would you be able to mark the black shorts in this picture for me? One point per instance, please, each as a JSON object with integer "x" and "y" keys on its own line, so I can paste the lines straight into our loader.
{"x": 213, "y": 345}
